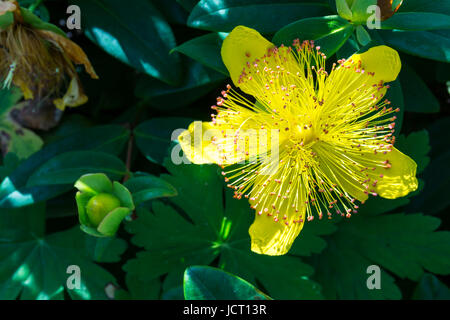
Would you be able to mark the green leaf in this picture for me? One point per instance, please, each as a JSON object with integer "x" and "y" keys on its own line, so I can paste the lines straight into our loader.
{"x": 402, "y": 244}
{"x": 33, "y": 20}
{"x": 188, "y": 5}
{"x": 66, "y": 168}
{"x": 362, "y": 36}
{"x": 199, "y": 226}
{"x": 206, "y": 283}
{"x": 10, "y": 162}
{"x": 153, "y": 137}
{"x": 13, "y": 137}
{"x": 417, "y": 146}
{"x": 111, "y": 223}
{"x": 262, "y": 15}
{"x": 329, "y": 32}
{"x": 430, "y": 288}
{"x": 124, "y": 195}
{"x": 198, "y": 81}
{"x": 13, "y": 189}
{"x": 6, "y": 20}
{"x": 34, "y": 266}
{"x": 94, "y": 184}
{"x": 147, "y": 188}
{"x": 395, "y": 95}
{"x": 426, "y": 44}
{"x": 437, "y": 183}
{"x": 418, "y": 98}
{"x": 206, "y": 50}
{"x": 425, "y": 6}
{"x": 416, "y": 21}
{"x": 135, "y": 34}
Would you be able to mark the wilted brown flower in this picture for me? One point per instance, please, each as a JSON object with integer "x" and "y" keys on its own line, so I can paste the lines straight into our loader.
{"x": 38, "y": 58}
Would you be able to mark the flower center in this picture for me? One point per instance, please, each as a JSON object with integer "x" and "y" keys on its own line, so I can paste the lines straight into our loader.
{"x": 304, "y": 133}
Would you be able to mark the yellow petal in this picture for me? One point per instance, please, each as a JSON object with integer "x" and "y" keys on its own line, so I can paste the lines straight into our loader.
{"x": 398, "y": 174}
{"x": 280, "y": 210}
{"x": 71, "y": 49}
{"x": 382, "y": 60}
{"x": 74, "y": 96}
{"x": 196, "y": 148}
{"x": 241, "y": 46}
{"x": 273, "y": 238}
{"x": 234, "y": 137}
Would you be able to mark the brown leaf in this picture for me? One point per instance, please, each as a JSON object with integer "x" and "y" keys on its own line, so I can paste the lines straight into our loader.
{"x": 386, "y": 8}
{"x": 71, "y": 49}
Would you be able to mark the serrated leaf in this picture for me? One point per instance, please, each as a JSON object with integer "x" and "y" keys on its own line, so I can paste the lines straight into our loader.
{"x": 135, "y": 34}
{"x": 199, "y": 226}
{"x": 265, "y": 16}
{"x": 402, "y": 244}
{"x": 207, "y": 283}
{"x": 405, "y": 245}
{"x": 34, "y": 266}
{"x": 329, "y": 32}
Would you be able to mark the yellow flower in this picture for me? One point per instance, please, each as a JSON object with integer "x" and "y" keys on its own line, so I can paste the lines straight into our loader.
{"x": 38, "y": 58}
{"x": 318, "y": 141}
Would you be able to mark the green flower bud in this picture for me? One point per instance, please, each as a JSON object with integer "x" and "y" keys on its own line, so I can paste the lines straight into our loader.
{"x": 102, "y": 205}
{"x": 359, "y": 11}
{"x": 355, "y": 11}
{"x": 99, "y": 206}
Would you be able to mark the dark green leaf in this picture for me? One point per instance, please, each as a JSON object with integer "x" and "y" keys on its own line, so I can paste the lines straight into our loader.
{"x": 147, "y": 188}
{"x": 13, "y": 189}
{"x": 135, "y": 34}
{"x": 415, "y": 21}
{"x": 418, "y": 98}
{"x": 34, "y": 266}
{"x": 329, "y": 32}
{"x": 425, "y": 6}
{"x": 153, "y": 137}
{"x": 66, "y": 168}
{"x": 430, "y": 288}
{"x": 206, "y": 50}
{"x": 198, "y": 81}
{"x": 265, "y": 16}
{"x": 426, "y": 44}
{"x": 207, "y": 283}
{"x": 402, "y": 244}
